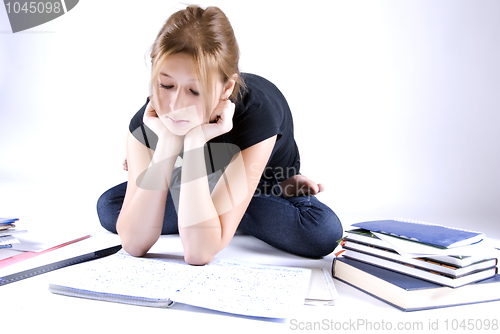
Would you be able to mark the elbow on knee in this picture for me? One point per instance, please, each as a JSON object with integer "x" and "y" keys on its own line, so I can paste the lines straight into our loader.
{"x": 134, "y": 251}
{"x": 197, "y": 259}
{"x": 133, "y": 248}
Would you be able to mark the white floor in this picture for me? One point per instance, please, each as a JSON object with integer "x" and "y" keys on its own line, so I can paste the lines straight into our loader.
{"x": 30, "y": 307}
{"x": 404, "y": 105}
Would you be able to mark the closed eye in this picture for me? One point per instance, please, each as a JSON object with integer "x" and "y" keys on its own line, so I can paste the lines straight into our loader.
{"x": 166, "y": 86}
{"x": 195, "y": 93}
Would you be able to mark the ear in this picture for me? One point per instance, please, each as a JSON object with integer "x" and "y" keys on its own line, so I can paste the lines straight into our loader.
{"x": 229, "y": 86}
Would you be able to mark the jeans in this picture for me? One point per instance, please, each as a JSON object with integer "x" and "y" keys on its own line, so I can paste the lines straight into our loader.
{"x": 299, "y": 225}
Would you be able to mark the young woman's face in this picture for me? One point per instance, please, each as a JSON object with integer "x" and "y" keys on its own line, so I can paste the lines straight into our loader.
{"x": 179, "y": 95}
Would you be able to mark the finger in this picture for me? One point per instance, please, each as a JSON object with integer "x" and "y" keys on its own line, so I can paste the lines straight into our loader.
{"x": 151, "y": 103}
{"x": 150, "y": 111}
{"x": 228, "y": 111}
{"x": 214, "y": 117}
{"x": 314, "y": 189}
{"x": 216, "y": 113}
{"x": 223, "y": 111}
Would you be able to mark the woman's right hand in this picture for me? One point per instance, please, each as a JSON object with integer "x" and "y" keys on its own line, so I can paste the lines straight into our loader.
{"x": 152, "y": 121}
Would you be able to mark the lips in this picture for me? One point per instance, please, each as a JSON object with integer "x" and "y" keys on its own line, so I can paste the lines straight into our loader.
{"x": 177, "y": 121}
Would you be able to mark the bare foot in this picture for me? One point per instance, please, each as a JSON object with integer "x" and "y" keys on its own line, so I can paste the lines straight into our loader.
{"x": 300, "y": 185}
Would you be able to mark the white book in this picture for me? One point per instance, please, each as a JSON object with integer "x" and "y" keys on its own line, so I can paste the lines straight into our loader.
{"x": 452, "y": 282}
{"x": 460, "y": 260}
{"x": 424, "y": 263}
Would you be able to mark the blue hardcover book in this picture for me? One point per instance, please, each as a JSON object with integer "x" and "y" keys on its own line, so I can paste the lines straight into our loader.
{"x": 409, "y": 293}
{"x": 430, "y": 234}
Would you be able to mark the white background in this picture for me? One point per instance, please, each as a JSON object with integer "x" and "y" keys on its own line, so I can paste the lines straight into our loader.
{"x": 396, "y": 103}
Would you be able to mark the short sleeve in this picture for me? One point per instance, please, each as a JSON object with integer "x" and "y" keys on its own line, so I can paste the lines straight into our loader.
{"x": 140, "y": 131}
{"x": 259, "y": 114}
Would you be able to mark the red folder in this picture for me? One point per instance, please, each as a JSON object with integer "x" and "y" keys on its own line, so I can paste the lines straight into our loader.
{"x": 28, "y": 255}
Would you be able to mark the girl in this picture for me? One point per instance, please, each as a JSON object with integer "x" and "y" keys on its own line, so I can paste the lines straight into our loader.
{"x": 240, "y": 163}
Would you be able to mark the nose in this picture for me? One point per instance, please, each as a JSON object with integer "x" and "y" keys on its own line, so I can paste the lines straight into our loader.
{"x": 178, "y": 101}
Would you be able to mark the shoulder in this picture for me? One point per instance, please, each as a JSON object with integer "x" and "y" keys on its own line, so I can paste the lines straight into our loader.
{"x": 136, "y": 120}
{"x": 250, "y": 78}
{"x": 259, "y": 97}
{"x": 261, "y": 112}
{"x": 258, "y": 88}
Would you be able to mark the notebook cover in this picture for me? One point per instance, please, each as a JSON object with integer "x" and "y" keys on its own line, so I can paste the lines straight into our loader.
{"x": 435, "y": 235}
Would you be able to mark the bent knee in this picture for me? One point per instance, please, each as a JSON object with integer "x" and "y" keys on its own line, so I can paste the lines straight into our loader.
{"x": 324, "y": 236}
{"x": 108, "y": 207}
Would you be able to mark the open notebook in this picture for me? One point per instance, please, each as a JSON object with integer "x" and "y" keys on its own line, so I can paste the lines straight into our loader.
{"x": 159, "y": 281}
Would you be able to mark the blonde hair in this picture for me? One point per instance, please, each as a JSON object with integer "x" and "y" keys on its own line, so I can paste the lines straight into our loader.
{"x": 208, "y": 38}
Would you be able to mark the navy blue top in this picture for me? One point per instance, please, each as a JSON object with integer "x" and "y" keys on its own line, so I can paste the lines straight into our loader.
{"x": 261, "y": 112}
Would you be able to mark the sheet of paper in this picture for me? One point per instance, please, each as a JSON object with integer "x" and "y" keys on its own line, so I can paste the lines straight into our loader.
{"x": 122, "y": 274}
{"x": 8, "y": 239}
{"x": 415, "y": 249}
{"x": 245, "y": 288}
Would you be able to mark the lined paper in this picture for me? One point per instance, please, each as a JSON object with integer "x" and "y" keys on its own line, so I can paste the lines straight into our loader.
{"x": 224, "y": 285}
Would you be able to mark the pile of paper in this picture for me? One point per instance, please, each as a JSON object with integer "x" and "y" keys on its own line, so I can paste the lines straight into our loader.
{"x": 7, "y": 231}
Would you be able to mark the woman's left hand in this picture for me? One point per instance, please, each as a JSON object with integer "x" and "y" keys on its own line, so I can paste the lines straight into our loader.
{"x": 221, "y": 121}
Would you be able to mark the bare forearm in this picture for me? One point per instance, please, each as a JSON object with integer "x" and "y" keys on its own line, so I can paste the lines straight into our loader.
{"x": 140, "y": 222}
{"x": 141, "y": 219}
{"x": 199, "y": 224}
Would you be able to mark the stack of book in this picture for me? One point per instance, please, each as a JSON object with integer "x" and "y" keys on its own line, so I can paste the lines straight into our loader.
{"x": 7, "y": 231}
{"x": 415, "y": 266}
